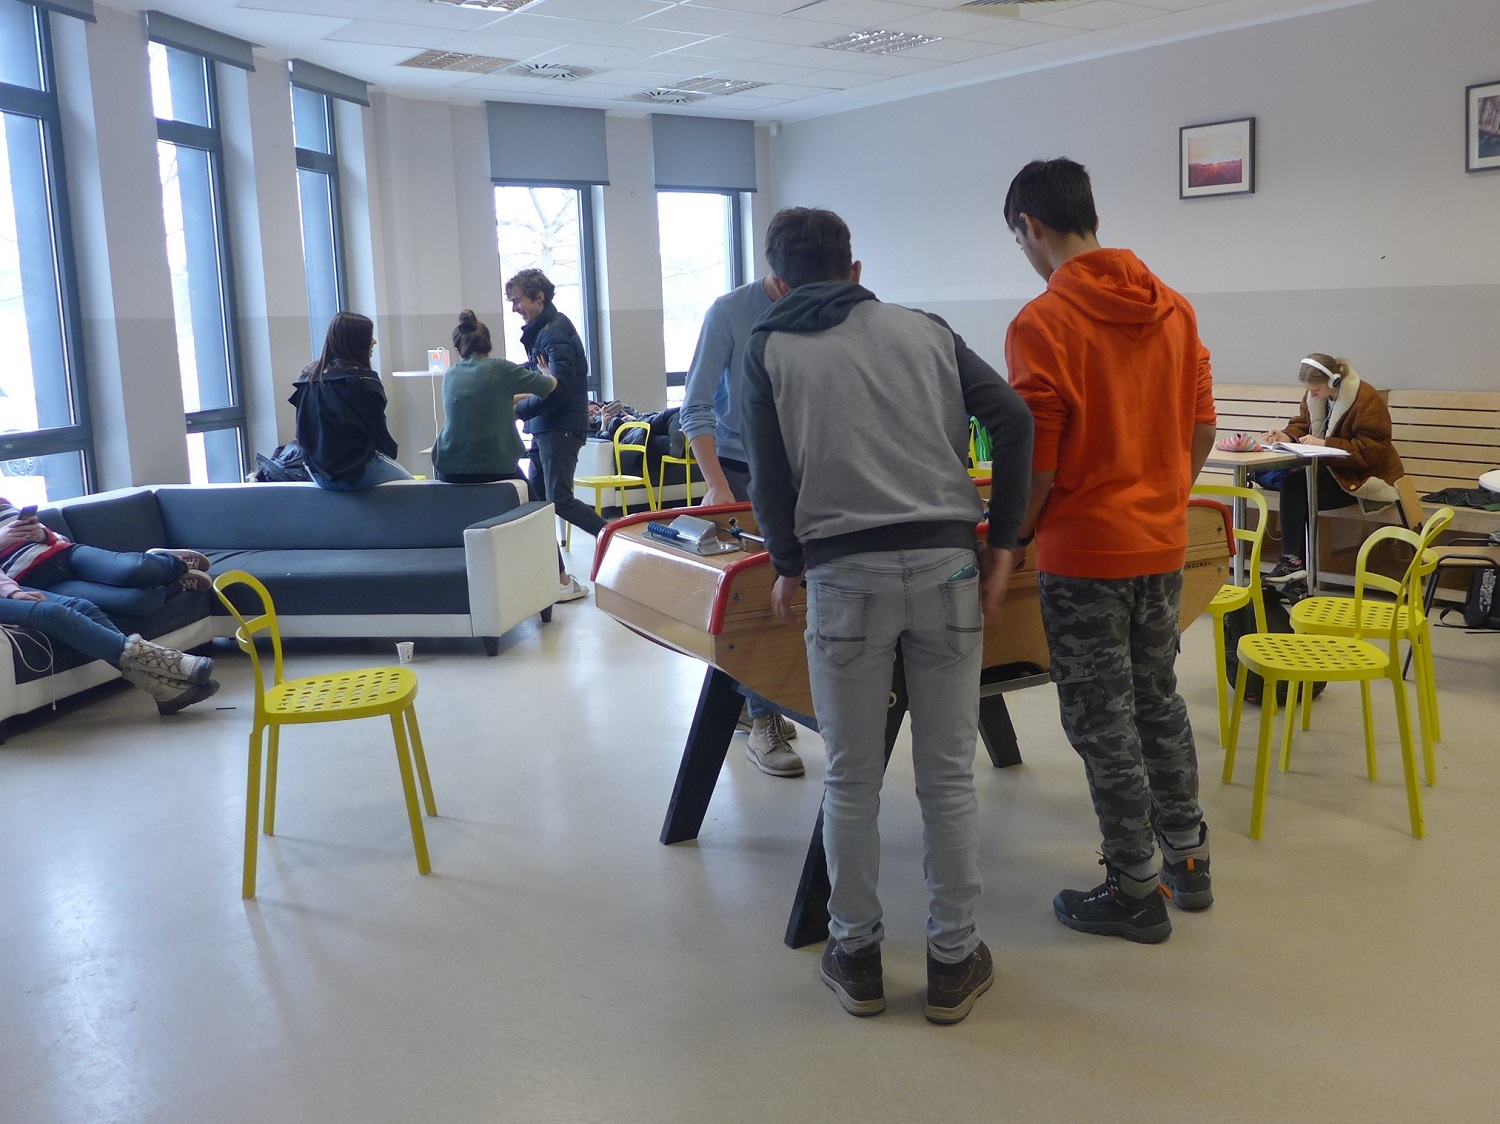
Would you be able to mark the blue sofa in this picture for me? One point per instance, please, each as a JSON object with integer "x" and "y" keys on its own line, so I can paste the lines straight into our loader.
{"x": 404, "y": 560}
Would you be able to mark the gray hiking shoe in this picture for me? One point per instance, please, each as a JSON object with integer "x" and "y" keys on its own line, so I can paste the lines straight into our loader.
{"x": 855, "y": 978}
{"x": 171, "y": 695}
{"x": 953, "y": 988}
{"x": 140, "y": 654}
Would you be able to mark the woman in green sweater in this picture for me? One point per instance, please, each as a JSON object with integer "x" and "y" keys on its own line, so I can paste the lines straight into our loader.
{"x": 479, "y": 443}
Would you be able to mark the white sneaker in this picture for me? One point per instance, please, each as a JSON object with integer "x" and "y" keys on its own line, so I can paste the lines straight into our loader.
{"x": 575, "y": 590}
{"x": 767, "y": 747}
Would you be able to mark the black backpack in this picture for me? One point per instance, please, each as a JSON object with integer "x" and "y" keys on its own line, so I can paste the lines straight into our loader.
{"x": 1481, "y": 606}
{"x": 1241, "y": 622}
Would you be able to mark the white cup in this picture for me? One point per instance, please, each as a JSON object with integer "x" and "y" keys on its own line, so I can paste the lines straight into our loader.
{"x": 404, "y": 650}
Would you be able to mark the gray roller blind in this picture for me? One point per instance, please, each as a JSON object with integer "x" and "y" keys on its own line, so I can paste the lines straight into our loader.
{"x": 703, "y": 153}
{"x": 320, "y": 80}
{"x": 170, "y": 31}
{"x": 83, "y": 9}
{"x": 546, "y": 144}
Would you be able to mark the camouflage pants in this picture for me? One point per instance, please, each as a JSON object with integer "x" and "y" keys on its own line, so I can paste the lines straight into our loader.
{"x": 1114, "y": 645}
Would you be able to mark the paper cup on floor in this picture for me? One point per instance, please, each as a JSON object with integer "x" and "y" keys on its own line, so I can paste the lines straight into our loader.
{"x": 404, "y": 650}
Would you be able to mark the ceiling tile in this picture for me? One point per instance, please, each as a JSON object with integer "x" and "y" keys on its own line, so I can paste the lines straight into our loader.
{"x": 839, "y": 79}
{"x": 1021, "y": 33}
{"x": 725, "y": 47}
{"x": 704, "y": 21}
{"x": 794, "y": 33}
{"x": 645, "y": 38}
{"x": 856, "y": 13}
{"x": 956, "y": 50}
{"x": 760, "y": 7}
{"x": 612, "y": 11}
{"x": 1097, "y": 15}
{"x": 593, "y": 54}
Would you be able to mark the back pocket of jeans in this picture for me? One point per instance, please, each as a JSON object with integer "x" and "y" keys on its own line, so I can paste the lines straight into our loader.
{"x": 842, "y": 617}
{"x": 965, "y": 617}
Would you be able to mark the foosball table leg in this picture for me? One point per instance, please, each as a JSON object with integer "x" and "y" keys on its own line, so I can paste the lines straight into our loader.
{"x": 719, "y": 704}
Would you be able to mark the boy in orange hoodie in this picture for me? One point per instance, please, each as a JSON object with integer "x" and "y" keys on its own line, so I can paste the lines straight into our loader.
{"x": 1121, "y": 391}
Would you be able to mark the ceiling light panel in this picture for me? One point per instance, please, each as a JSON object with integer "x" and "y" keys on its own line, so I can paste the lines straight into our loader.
{"x": 456, "y": 60}
{"x": 490, "y": 5}
{"x": 721, "y": 86}
{"x": 873, "y": 41}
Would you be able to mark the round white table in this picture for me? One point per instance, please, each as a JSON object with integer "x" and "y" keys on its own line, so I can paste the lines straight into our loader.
{"x": 1490, "y": 481}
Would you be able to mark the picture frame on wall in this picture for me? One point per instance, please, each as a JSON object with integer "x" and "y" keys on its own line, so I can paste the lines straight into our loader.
{"x": 1482, "y": 127}
{"x": 1216, "y": 159}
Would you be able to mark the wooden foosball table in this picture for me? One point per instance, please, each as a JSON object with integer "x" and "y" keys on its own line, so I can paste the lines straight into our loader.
{"x": 716, "y": 607}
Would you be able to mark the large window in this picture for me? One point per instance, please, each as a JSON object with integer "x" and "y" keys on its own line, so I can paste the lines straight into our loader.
{"x": 45, "y": 445}
{"x": 318, "y": 194}
{"x": 551, "y": 229}
{"x": 702, "y": 258}
{"x": 190, "y": 157}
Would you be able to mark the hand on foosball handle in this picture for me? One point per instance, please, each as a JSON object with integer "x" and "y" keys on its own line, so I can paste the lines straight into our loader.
{"x": 782, "y": 594}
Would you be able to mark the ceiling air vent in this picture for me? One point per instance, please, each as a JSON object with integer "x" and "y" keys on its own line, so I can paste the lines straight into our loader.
{"x": 666, "y": 96}
{"x": 720, "y": 86}
{"x": 553, "y": 71}
{"x": 492, "y": 5}
{"x": 456, "y": 60}
{"x": 1007, "y": 9}
{"x": 876, "y": 42}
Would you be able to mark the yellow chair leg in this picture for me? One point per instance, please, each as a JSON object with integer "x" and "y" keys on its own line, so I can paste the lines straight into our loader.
{"x": 273, "y": 757}
{"x": 1263, "y": 760}
{"x": 1288, "y": 722}
{"x": 421, "y": 759}
{"x": 1408, "y": 755}
{"x": 252, "y": 814}
{"x": 1234, "y": 722}
{"x": 1221, "y": 678}
{"x": 409, "y": 788}
{"x": 1368, "y": 713}
{"x": 1432, "y": 696}
{"x": 1307, "y": 701}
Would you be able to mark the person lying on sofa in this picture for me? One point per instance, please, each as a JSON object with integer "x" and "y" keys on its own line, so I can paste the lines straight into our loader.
{"x": 174, "y": 679}
{"x": 130, "y": 584}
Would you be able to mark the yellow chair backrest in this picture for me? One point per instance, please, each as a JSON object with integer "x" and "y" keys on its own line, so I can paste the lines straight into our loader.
{"x": 1255, "y": 536}
{"x": 636, "y": 445}
{"x": 249, "y": 627}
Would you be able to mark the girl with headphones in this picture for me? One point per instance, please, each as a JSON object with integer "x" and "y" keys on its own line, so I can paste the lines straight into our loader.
{"x": 1342, "y": 411}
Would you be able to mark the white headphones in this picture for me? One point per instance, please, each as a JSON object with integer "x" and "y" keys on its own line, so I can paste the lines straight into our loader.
{"x": 1333, "y": 378}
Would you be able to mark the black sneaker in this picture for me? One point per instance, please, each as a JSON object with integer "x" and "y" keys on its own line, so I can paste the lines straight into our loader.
{"x": 1294, "y": 591}
{"x": 1120, "y": 906}
{"x": 855, "y": 978}
{"x": 953, "y": 988}
{"x": 1184, "y": 873}
{"x": 1289, "y": 567}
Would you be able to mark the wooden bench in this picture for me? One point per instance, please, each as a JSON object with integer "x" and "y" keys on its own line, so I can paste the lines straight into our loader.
{"x": 1446, "y": 440}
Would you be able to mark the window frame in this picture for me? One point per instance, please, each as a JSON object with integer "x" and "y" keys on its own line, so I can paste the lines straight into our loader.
{"x": 43, "y": 106}
{"x": 588, "y": 269}
{"x": 738, "y": 270}
{"x": 327, "y": 164}
{"x": 209, "y": 139}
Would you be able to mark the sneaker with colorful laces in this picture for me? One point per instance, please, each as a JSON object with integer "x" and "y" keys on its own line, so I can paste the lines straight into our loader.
{"x": 1289, "y": 567}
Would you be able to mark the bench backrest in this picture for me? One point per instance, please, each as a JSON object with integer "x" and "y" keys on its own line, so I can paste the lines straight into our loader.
{"x": 1446, "y": 438}
{"x": 1252, "y": 408}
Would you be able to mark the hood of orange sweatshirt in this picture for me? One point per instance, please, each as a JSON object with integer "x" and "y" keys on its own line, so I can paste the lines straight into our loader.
{"x": 1113, "y": 287}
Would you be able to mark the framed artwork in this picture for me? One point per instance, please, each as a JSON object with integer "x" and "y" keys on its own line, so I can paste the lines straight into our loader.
{"x": 1216, "y": 159}
{"x": 1482, "y": 131}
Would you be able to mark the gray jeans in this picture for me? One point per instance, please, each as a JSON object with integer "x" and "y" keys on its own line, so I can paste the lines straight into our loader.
{"x": 739, "y": 484}
{"x": 859, "y": 609}
{"x": 1114, "y": 653}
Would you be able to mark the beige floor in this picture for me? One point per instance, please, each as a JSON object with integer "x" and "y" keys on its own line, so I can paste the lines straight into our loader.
{"x": 561, "y": 965}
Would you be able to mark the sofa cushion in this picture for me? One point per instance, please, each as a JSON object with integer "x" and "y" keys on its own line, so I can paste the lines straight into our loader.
{"x": 386, "y": 582}
{"x": 129, "y": 521}
{"x": 304, "y": 516}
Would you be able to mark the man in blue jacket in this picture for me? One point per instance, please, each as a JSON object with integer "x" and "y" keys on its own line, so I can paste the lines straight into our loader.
{"x": 558, "y": 423}
{"x": 856, "y": 427}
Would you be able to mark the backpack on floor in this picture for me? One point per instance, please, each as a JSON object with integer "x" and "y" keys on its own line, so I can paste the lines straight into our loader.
{"x": 1241, "y": 622}
{"x": 1481, "y": 606}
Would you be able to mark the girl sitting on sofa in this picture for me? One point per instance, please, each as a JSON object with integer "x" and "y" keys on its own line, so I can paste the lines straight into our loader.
{"x": 130, "y": 585}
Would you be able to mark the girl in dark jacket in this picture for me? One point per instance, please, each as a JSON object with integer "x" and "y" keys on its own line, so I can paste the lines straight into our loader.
{"x": 340, "y": 405}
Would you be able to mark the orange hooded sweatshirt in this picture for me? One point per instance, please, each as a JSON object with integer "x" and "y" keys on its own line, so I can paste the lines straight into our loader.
{"x": 1109, "y": 360}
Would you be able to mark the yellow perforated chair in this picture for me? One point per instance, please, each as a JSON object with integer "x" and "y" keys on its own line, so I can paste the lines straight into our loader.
{"x": 1300, "y": 659}
{"x": 1334, "y": 616}
{"x": 621, "y": 481}
{"x": 1231, "y": 597}
{"x": 977, "y": 468}
{"x": 687, "y": 462}
{"x": 366, "y": 693}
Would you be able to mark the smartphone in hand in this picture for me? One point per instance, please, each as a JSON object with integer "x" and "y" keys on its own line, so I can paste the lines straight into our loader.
{"x": 28, "y": 511}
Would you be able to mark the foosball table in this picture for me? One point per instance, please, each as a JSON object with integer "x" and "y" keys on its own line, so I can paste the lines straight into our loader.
{"x": 708, "y": 596}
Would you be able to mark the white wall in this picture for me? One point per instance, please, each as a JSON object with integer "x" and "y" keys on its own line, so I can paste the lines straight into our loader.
{"x": 1364, "y": 238}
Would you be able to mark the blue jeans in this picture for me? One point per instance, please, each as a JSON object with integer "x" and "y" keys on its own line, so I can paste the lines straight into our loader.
{"x": 380, "y": 470}
{"x": 69, "y": 620}
{"x": 859, "y": 608}
{"x": 756, "y": 706}
{"x": 129, "y": 584}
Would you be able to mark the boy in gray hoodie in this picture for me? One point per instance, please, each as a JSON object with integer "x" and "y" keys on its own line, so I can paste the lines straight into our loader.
{"x": 856, "y": 422}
